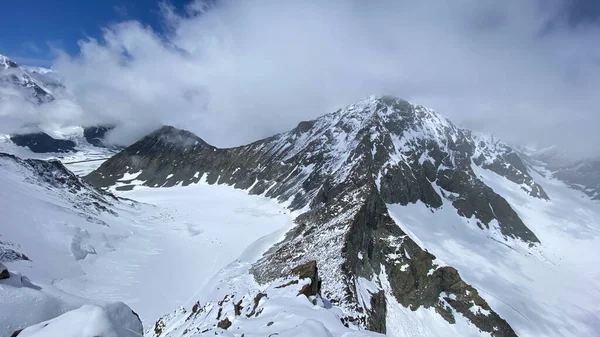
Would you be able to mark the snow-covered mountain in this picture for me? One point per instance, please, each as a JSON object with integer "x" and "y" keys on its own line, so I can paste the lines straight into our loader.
{"x": 17, "y": 82}
{"x": 36, "y": 87}
{"x": 349, "y": 174}
{"x": 581, "y": 174}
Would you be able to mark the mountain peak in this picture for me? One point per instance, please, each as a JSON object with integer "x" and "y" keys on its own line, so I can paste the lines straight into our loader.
{"x": 341, "y": 171}
{"x": 6, "y": 62}
{"x": 17, "y": 78}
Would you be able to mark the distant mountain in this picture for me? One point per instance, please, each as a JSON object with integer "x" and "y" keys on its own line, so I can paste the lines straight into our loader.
{"x": 16, "y": 81}
{"x": 41, "y": 142}
{"x": 580, "y": 174}
{"x": 339, "y": 172}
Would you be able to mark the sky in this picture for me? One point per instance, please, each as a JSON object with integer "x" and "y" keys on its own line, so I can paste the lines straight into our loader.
{"x": 239, "y": 70}
{"x": 32, "y": 29}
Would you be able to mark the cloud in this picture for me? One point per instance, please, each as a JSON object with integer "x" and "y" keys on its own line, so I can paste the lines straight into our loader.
{"x": 241, "y": 70}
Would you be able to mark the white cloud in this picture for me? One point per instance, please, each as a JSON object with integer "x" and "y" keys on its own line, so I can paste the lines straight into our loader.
{"x": 247, "y": 69}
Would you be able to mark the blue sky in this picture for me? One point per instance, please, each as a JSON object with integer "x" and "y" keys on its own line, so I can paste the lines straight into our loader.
{"x": 30, "y": 29}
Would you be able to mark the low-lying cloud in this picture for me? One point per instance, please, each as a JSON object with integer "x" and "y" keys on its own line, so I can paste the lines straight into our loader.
{"x": 245, "y": 69}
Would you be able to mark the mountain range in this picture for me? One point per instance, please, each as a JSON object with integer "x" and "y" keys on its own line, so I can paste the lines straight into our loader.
{"x": 390, "y": 219}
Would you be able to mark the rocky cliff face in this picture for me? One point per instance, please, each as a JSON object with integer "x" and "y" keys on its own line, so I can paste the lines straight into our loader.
{"x": 342, "y": 170}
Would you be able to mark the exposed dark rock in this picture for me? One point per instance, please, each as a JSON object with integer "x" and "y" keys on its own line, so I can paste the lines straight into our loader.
{"x": 136, "y": 315}
{"x": 16, "y": 333}
{"x": 224, "y": 324}
{"x": 237, "y": 308}
{"x": 4, "y": 274}
{"x": 9, "y": 254}
{"x": 159, "y": 326}
{"x": 257, "y": 299}
{"x": 42, "y": 143}
{"x": 308, "y": 270}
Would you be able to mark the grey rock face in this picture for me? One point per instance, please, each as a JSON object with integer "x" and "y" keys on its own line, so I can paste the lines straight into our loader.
{"x": 345, "y": 167}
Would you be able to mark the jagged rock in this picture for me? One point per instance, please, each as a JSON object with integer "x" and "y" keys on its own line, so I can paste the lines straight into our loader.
{"x": 4, "y": 274}
{"x": 308, "y": 270}
{"x": 344, "y": 168}
{"x": 159, "y": 325}
{"x": 237, "y": 308}
{"x": 224, "y": 324}
{"x": 257, "y": 299}
{"x": 8, "y": 254}
{"x": 41, "y": 142}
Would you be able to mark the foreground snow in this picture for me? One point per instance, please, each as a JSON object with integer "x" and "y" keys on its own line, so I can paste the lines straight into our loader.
{"x": 24, "y": 304}
{"x": 114, "y": 320}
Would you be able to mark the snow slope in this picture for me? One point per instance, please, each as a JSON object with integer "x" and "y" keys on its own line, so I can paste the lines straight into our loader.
{"x": 152, "y": 257}
{"x": 550, "y": 290}
{"x": 24, "y": 303}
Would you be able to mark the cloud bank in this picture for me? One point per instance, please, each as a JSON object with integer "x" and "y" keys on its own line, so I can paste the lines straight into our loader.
{"x": 241, "y": 70}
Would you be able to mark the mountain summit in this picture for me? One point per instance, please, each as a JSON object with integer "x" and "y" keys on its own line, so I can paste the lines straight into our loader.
{"x": 16, "y": 81}
{"x": 340, "y": 172}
